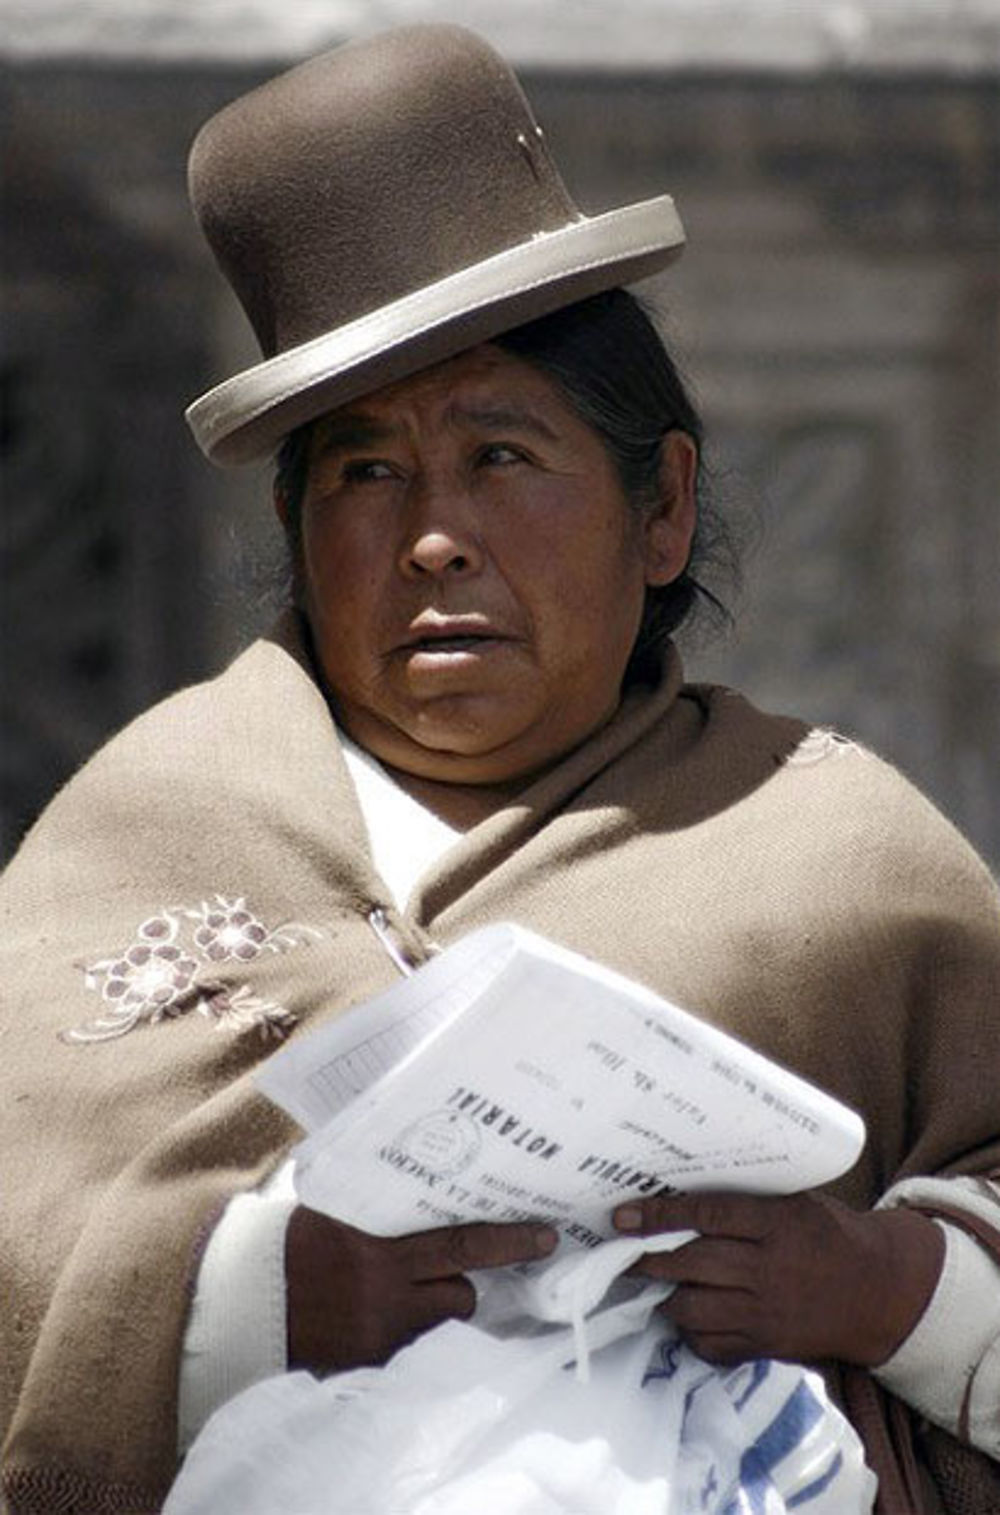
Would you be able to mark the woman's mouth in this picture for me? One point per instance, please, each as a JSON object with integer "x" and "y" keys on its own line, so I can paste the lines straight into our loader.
{"x": 457, "y": 642}
{"x": 454, "y": 636}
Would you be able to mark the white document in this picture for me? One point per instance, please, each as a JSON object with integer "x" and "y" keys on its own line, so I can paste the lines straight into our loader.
{"x": 510, "y": 1079}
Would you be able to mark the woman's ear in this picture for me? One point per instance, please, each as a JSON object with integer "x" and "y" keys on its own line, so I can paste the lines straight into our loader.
{"x": 669, "y": 527}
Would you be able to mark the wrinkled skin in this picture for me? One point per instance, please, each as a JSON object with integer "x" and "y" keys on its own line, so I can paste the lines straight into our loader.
{"x": 354, "y": 1299}
{"x": 802, "y": 1277}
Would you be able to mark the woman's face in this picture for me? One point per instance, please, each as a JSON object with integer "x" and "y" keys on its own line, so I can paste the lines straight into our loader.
{"x": 471, "y": 571}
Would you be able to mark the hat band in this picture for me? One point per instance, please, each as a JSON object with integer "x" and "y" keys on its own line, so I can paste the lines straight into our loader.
{"x": 614, "y": 237}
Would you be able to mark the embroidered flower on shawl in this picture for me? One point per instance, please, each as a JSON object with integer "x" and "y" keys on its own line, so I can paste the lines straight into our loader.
{"x": 820, "y": 743}
{"x": 148, "y": 976}
{"x": 228, "y": 930}
{"x": 164, "y": 973}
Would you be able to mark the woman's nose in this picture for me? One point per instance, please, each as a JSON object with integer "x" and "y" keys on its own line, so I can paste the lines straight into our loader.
{"x": 441, "y": 536}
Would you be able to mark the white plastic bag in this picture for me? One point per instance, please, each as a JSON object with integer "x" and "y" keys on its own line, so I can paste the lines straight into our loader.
{"x": 467, "y": 1419}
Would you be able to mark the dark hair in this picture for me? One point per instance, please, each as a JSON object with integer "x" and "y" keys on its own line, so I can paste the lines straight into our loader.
{"x": 609, "y": 361}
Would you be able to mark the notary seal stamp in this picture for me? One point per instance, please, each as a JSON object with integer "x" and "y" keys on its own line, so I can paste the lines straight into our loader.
{"x": 444, "y": 1142}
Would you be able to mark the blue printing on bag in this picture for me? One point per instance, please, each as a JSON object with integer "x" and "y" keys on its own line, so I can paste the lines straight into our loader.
{"x": 818, "y": 1486}
{"x": 793, "y": 1421}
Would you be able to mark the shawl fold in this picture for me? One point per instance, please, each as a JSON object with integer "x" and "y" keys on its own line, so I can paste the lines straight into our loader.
{"x": 201, "y": 890}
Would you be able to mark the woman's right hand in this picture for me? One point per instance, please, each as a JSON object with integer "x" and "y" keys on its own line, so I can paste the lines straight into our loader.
{"x": 354, "y": 1299}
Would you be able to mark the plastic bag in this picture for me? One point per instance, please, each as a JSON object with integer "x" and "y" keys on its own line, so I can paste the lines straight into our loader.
{"x": 468, "y": 1419}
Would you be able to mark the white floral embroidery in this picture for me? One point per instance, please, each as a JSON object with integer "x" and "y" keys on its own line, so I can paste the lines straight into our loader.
{"x": 820, "y": 743}
{"x": 227, "y": 929}
{"x": 162, "y": 972}
{"x": 241, "y": 1009}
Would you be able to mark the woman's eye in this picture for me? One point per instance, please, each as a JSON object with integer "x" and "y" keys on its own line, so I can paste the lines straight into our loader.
{"x": 499, "y": 454}
{"x": 366, "y": 471}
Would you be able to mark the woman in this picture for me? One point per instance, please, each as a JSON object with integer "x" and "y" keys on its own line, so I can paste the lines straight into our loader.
{"x": 474, "y": 713}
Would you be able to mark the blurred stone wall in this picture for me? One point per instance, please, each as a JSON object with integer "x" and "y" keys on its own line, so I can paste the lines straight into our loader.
{"x": 837, "y": 311}
{"x": 896, "y": 36}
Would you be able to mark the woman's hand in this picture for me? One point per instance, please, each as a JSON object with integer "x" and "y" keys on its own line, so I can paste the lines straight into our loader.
{"x": 799, "y": 1277}
{"x": 353, "y": 1299}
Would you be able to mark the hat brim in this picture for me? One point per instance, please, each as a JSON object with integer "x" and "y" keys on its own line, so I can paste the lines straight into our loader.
{"x": 246, "y": 418}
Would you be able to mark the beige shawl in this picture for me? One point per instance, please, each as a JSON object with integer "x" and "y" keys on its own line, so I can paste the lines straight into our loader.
{"x": 203, "y": 888}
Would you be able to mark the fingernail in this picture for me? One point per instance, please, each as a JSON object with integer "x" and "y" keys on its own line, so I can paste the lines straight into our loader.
{"x": 546, "y": 1240}
{"x": 628, "y": 1218}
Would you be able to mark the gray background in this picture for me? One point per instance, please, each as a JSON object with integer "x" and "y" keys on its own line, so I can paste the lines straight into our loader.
{"x": 837, "y": 312}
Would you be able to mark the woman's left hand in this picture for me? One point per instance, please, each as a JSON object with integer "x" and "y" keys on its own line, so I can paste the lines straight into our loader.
{"x": 799, "y": 1277}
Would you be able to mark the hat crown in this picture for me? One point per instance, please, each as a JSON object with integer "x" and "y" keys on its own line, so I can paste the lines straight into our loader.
{"x": 367, "y": 173}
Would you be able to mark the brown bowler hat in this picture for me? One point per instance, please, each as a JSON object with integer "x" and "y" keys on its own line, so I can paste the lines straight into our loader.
{"x": 379, "y": 209}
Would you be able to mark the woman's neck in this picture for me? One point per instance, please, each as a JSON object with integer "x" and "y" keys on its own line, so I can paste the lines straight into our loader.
{"x": 460, "y": 805}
